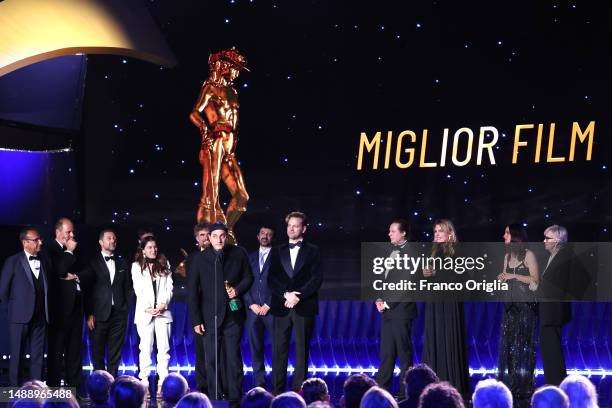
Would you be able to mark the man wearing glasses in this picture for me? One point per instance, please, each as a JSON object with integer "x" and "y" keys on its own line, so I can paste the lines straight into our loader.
{"x": 554, "y": 286}
{"x": 23, "y": 286}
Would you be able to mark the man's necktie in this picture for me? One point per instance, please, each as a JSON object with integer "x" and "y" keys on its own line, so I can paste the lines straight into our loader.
{"x": 109, "y": 258}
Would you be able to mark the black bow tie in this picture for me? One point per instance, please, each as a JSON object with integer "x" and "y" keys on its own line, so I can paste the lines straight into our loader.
{"x": 33, "y": 258}
{"x": 296, "y": 244}
{"x": 109, "y": 258}
{"x": 64, "y": 247}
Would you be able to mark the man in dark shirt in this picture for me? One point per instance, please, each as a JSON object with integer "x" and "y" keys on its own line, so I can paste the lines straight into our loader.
{"x": 218, "y": 279}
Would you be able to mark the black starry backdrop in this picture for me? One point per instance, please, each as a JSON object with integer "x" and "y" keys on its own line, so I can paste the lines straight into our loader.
{"x": 322, "y": 73}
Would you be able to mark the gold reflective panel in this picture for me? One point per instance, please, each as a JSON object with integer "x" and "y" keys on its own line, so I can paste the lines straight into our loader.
{"x": 37, "y": 30}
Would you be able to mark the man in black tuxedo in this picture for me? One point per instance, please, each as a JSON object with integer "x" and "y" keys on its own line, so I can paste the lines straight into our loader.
{"x": 258, "y": 300}
{"x": 396, "y": 319}
{"x": 554, "y": 285}
{"x": 109, "y": 294}
{"x": 201, "y": 234}
{"x": 24, "y": 287}
{"x": 66, "y": 320}
{"x": 294, "y": 279}
{"x": 218, "y": 278}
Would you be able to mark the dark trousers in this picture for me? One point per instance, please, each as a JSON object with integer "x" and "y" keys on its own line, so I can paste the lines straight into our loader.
{"x": 551, "y": 350}
{"x": 395, "y": 342}
{"x": 66, "y": 337}
{"x": 255, "y": 325}
{"x": 200, "y": 364}
{"x": 109, "y": 334}
{"x": 20, "y": 335}
{"x": 283, "y": 325}
{"x": 229, "y": 336}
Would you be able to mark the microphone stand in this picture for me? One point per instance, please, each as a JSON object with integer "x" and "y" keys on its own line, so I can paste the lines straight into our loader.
{"x": 217, "y": 260}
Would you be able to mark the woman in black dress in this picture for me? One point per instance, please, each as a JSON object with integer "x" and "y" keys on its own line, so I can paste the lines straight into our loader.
{"x": 444, "y": 345}
{"x": 517, "y": 354}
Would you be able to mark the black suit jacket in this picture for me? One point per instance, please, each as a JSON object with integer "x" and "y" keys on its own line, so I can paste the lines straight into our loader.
{"x": 400, "y": 310}
{"x": 100, "y": 293}
{"x": 232, "y": 266}
{"x": 555, "y": 285}
{"x": 307, "y": 279}
{"x": 17, "y": 287}
{"x": 259, "y": 293}
{"x": 188, "y": 269}
{"x": 63, "y": 292}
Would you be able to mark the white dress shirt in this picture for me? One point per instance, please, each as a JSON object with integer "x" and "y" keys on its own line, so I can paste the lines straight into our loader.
{"x": 293, "y": 253}
{"x": 263, "y": 256}
{"x": 110, "y": 264}
{"x": 34, "y": 264}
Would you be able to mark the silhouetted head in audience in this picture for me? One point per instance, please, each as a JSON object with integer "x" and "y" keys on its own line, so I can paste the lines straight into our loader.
{"x": 354, "y": 388}
{"x": 194, "y": 400}
{"x": 173, "y": 389}
{"x": 314, "y": 389}
{"x": 580, "y": 391}
{"x": 377, "y": 397}
{"x": 99, "y": 385}
{"x": 257, "y": 398}
{"x": 65, "y": 403}
{"x": 26, "y": 404}
{"x": 417, "y": 378}
{"x": 440, "y": 395}
{"x": 288, "y": 399}
{"x": 34, "y": 385}
{"x": 491, "y": 393}
{"x": 549, "y": 396}
{"x": 320, "y": 404}
{"x": 127, "y": 392}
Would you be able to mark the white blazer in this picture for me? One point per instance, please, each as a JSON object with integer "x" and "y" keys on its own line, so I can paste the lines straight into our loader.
{"x": 145, "y": 297}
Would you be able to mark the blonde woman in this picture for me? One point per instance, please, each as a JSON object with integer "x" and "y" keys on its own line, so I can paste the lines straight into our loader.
{"x": 444, "y": 346}
{"x": 152, "y": 280}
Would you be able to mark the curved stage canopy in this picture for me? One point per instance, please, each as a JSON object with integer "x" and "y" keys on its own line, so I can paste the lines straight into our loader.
{"x": 36, "y": 30}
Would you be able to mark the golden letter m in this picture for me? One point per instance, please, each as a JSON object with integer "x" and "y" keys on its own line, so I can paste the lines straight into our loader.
{"x": 369, "y": 145}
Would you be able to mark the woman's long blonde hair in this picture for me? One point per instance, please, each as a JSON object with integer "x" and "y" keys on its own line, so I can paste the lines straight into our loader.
{"x": 445, "y": 248}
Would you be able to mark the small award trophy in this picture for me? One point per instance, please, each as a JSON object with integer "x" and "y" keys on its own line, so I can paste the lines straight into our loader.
{"x": 234, "y": 304}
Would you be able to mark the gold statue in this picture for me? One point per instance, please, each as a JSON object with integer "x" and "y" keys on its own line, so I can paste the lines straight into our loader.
{"x": 216, "y": 115}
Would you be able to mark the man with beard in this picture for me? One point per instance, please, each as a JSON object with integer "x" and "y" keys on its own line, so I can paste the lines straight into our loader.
{"x": 258, "y": 301}
{"x": 109, "y": 292}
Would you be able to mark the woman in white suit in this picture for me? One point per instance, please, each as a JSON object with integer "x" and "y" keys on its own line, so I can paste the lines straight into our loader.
{"x": 152, "y": 280}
